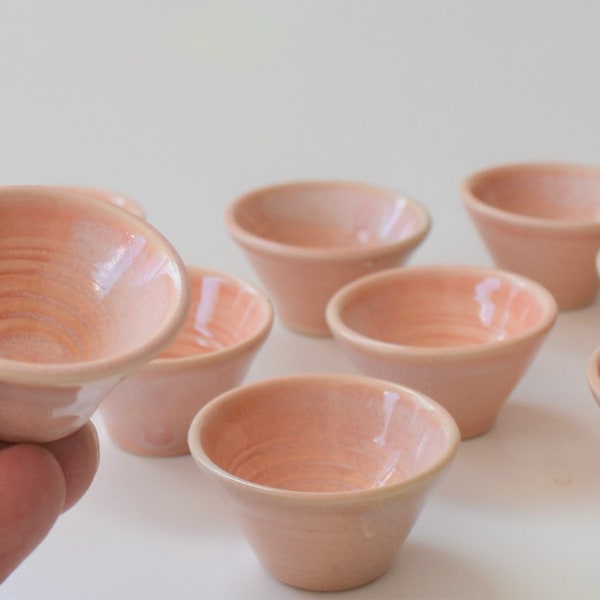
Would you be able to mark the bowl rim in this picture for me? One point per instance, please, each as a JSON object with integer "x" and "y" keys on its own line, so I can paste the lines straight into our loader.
{"x": 125, "y": 202}
{"x": 117, "y": 364}
{"x": 593, "y": 373}
{"x": 477, "y": 206}
{"x": 445, "y": 421}
{"x": 165, "y": 364}
{"x": 267, "y": 246}
{"x": 343, "y": 332}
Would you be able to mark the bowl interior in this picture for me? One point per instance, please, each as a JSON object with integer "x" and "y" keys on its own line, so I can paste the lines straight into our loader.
{"x": 329, "y": 215}
{"x": 224, "y": 311}
{"x": 79, "y": 280}
{"x": 544, "y": 192}
{"x": 441, "y": 307}
{"x": 325, "y": 435}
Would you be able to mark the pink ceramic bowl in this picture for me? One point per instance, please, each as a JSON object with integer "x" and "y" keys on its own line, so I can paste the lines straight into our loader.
{"x": 542, "y": 221}
{"x": 88, "y": 292}
{"x": 150, "y": 411}
{"x": 325, "y": 473}
{"x": 462, "y": 335}
{"x": 306, "y": 240}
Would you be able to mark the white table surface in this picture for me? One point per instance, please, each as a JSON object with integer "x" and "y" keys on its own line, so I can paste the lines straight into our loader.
{"x": 184, "y": 105}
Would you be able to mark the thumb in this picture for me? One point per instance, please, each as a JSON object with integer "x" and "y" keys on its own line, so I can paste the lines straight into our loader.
{"x": 33, "y": 489}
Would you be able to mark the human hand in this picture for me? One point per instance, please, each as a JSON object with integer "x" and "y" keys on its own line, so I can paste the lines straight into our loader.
{"x": 38, "y": 482}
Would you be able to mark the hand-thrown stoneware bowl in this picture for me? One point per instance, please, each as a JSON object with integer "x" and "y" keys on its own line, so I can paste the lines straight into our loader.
{"x": 88, "y": 292}
{"x": 462, "y": 335}
{"x": 228, "y": 321}
{"x": 542, "y": 221}
{"x": 325, "y": 473}
{"x": 305, "y": 240}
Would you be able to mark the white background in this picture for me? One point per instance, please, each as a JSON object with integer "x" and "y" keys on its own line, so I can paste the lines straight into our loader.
{"x": 184, "y": 105}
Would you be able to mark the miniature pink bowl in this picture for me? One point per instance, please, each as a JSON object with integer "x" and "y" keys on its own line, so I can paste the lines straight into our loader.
{"x": 150, "y": 411}
{"x": 542, "y": 221}
{"x": 306, "y": 240}
{"x": 462, "y": 335}
{"x": 88, "y": 292}
{"x": 326, "y": 473}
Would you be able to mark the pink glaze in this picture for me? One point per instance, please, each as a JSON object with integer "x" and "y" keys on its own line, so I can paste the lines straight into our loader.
{"x": 326, "y": 473}
{"x": 306, "y": 240}
{"x": 543, "y": 221}
{"x": 462, "y": 335}
{"x": 150, "y": 411}
{"x": 88, "y": 292}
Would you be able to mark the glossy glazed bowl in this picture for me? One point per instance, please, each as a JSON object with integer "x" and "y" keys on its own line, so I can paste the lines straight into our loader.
{"x": 150, "y": 411}
{"x": 326, "y": 473}
{"x": 541, "y": 220}
{"x": 462, "y": 335}
{"x": 306, "y": 240}
{"x": 88, "y": 292}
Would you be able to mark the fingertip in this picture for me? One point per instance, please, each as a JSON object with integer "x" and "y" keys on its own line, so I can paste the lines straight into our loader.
{"x": 78, "y": 455}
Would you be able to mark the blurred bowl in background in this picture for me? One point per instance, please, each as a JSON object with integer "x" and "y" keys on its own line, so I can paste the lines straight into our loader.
{"x": 150, "y": 411}
{"x": 305, "y": 240}
{"x": 541, "y": 220}
{"x": 593, "y": 374}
